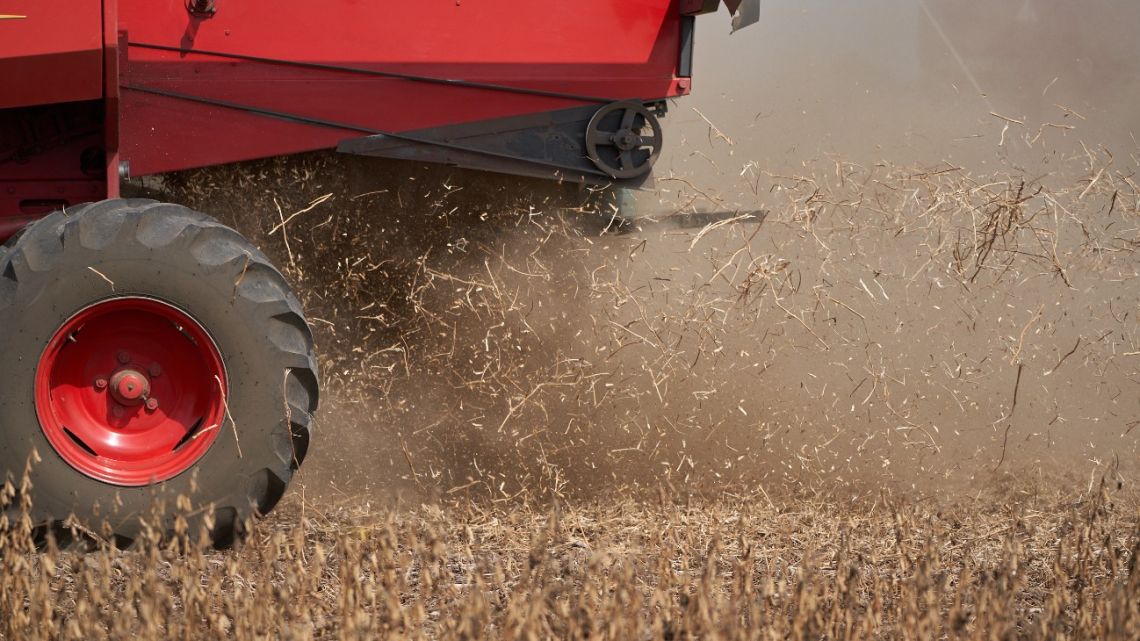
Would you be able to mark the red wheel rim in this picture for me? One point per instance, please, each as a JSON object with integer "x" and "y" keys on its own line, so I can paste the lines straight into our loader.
{"x": 131, "y": 391}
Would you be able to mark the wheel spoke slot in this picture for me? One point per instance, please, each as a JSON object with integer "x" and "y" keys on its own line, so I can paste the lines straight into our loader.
{"x": 79, "y": 442}
{"x": 189, "y": 436}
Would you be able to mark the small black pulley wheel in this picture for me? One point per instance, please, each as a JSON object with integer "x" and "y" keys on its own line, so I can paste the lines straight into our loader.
{"x": 624, "y": 139}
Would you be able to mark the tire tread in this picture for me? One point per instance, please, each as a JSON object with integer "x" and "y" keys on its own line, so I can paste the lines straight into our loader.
{"x": 156, "y": 226}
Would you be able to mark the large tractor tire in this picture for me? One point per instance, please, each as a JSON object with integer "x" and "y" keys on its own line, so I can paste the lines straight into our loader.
{"x": 148, "y": 351}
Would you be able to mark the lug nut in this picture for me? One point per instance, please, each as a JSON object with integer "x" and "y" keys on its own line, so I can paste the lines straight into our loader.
{"x": 124, "y": 357}
{"x": 151, "y": 404}
{"x": 100, "y": 383}
{"x": 155, "y": 370}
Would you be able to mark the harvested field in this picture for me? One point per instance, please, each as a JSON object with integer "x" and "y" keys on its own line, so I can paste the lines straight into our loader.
{"x": 1009, "y": 566}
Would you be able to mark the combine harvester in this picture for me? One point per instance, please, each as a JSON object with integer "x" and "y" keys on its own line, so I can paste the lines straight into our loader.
{"x": 146, "y": 344}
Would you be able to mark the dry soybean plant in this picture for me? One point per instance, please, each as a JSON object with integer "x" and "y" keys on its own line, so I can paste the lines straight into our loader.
{"x": 1013, "y": 566}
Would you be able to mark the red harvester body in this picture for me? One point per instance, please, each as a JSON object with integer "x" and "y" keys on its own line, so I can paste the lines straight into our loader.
{"x": 138, "y": 338}
{"x": 91, "y": 91}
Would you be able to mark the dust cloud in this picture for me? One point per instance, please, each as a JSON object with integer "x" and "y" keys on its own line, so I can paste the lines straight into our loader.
{"x": 891, "y": 245}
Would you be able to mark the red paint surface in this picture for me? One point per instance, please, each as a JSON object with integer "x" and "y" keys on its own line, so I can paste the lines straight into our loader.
{"x": 99, "y": 424}
{"x": 53, "y": 53}
{"x": 614, "y": 49}
{"x": 70, "y": 51}
{"x": 47, "y": 181}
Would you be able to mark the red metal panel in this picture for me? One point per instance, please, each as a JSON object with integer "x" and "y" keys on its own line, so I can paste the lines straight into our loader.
{"x": 47, "y": 181}
{"x": 613, "y": 49}
{"x": 605, "y": 32}
{"x": 50, "y": 51}
{"x": 114, "y": 52}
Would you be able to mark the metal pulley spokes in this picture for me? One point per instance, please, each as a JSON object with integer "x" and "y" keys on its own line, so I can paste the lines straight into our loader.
{"x": 131, "y": 391}
{"x": 624, "y": 139}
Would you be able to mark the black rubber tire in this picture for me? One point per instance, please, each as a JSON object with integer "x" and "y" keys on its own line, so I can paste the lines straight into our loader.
{"x": 168, "y": 252}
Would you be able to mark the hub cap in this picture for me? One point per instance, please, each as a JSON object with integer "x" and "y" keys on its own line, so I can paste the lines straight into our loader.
{"x": 129, "y": 387}
{"x": 131, "y": 391}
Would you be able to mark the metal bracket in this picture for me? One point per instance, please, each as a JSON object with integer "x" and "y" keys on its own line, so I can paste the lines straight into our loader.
{"x": 204, "y": 9}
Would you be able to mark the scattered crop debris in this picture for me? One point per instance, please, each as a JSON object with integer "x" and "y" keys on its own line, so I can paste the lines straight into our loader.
{"x": 857, "y": 402}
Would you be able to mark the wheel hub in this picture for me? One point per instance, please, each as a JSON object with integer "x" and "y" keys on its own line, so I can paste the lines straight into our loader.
{"x": 99, "y": 382}
{"x": 129, "y": 387}
{"x": 625, "y": 140}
